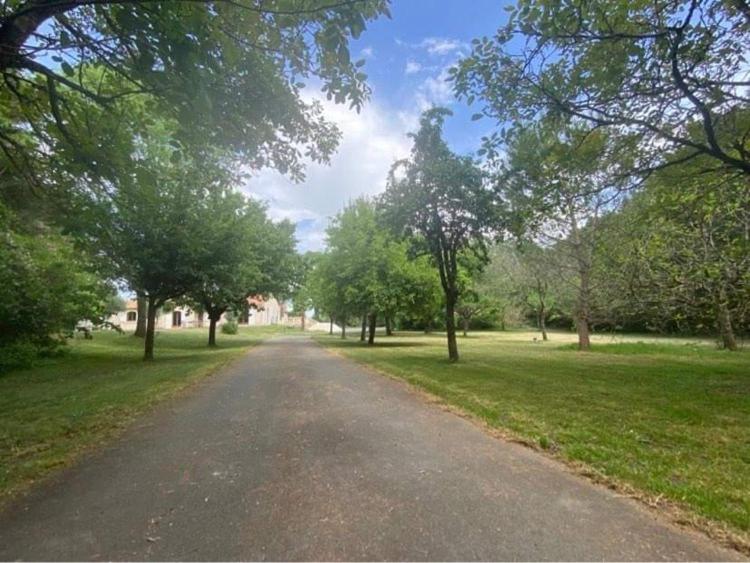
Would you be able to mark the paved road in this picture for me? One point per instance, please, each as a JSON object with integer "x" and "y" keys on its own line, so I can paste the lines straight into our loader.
{"x": 295, "y": 454}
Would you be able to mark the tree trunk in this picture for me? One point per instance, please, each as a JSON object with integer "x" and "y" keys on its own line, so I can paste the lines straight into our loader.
{"x": 582, "y": 327}
{"x": 388, "y": 326}
{"x": 583, "y": 311}
{"x": 211, "y": 332}
{"x": 542, "y": 324}
{"x": 330, "y": 327}
{"x": 148, "y": 351}
{"x": 343, "y": 330}
{"x": 371, "y": 336}
{"x": 303, "y": 321}
{"x": 728, "y": 340}
{"x": 142, "y": 313}
{"x": 450, "y": 328}
{"x": 465, "y": 325}
{"x": 363, "y": 333}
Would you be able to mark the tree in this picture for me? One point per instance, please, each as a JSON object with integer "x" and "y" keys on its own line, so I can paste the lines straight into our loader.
{"x": 644, "y": 68}
{"x": 302, "y": 292}
{"x": 559, "y": 183}
{"x": 366, "y": 261}
{"x": 141, "y": 314}
{"x": 228, "y": 73}
{"x": 46, "y": 288}
{"x": 537, "y": 283}
{"x": 244, "y": 254}
{"x": 677, "y": 256}
{"x": 148, "y": 227}
{"x": 328, "y": 291}
{"x": 424, "y": 301}
{"x": 440, "y": 201}
{"x": 499, "y": 283}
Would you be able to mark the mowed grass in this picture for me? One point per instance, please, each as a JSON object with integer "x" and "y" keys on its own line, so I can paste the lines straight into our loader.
{"x": 63, "y": 406}
{"x": 669, "y": 417}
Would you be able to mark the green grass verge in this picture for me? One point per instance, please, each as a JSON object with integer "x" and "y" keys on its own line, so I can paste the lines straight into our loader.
{"x": 63, "y": 406}
{"x": 668, "y": 417}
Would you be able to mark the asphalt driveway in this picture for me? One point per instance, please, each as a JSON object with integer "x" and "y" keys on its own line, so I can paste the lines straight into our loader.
{"x": 293, "y": 453}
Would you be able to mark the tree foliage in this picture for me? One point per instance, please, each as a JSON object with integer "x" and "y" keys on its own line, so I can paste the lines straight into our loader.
{"x": 440, "y": 201}
{"x": 642, "y": 68}
{"x": 230, "y": 74}
{"x": 242, "y": 254}
{"x": 46, "y": 288}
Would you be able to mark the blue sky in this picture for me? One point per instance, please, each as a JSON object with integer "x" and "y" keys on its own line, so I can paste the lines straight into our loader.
{"x": 407, "y": 60}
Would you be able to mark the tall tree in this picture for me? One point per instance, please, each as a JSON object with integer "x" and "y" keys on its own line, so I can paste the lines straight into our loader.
{"x": 645, "y": 68}
{"x": 440, "y": 200}
{"x": 559, "y": 183}
{"x": 243, "y": 254}
{"x": 147, "y": 228}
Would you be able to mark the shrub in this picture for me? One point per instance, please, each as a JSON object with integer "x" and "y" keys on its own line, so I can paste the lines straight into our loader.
{"x": 46, "y": 287}
{"x": 18, "y": 355}
{"x": 229, "y": 327}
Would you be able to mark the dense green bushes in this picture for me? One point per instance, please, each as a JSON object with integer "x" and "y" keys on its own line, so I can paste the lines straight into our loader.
{"x": 45, "y": 289}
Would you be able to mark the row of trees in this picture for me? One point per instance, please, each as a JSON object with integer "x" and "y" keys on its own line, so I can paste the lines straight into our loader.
{"x": 620, "y": 168}
{"x": 585, "y": 245}
{"x": 408, "y": 254}
{"x": 623, "y": 154}
{"x": 123, "y": 126}
{"x": 368, "y": 275}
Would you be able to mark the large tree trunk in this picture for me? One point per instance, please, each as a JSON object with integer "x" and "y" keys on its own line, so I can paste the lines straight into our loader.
{"x": 582, "y": 328}
{"x": 582, "y": 315}
{"x": 728, "y": 340}
{"x": 212, "y": 331}
{"x": 141, "y": 314}
{"x": 371, "y": 336}
{"x": 148, "y": 351}
{"x": 583, "y": 311}
{"x": 388, "y": 326}
{"x": 363, "y": 333}
{"x": 450, "y": 328}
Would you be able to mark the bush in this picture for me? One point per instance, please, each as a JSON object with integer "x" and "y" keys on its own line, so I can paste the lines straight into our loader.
{"x": 46, "y": 287}
{"x": 18, "y": 355}
{"x": 229, "y": 327}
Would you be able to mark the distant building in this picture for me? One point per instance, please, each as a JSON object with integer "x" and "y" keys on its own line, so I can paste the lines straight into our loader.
{"x": 259, "y": 312}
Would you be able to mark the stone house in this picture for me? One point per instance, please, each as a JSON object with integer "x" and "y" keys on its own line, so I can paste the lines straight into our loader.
{"x": 259, "y": 312}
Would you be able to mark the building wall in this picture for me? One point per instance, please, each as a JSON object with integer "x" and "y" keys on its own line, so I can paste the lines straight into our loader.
{"x": 263, "y": 313}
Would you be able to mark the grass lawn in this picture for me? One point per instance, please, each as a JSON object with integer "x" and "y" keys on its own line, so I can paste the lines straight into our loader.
{"x": 668, "y": 417}
{"x": 63, "y": 406}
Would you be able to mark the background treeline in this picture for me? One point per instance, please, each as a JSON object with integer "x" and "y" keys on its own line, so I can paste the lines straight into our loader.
{"x": 616, "y": 170}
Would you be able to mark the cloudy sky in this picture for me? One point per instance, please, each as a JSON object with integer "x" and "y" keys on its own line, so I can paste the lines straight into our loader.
{"x": 407, "y": 61}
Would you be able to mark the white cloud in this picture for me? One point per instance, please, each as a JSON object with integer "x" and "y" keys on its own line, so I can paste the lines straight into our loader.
{"x": 371, "y": 141}
{"x": 441, "y": 45}
{"x": 434, "y": 91}
{"x": 367, "y": 53}
{"x": 412, "y": 67}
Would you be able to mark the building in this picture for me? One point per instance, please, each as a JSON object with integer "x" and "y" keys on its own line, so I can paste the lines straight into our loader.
{"x": 259, "y": 312}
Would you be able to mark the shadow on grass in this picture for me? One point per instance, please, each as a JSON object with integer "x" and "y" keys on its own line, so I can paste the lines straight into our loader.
{"x": 648, "y": 348}
{"x": 378, "y": 344}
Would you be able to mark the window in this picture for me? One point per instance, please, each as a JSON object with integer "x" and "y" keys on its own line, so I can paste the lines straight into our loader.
{"x": 132, "y": 316}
